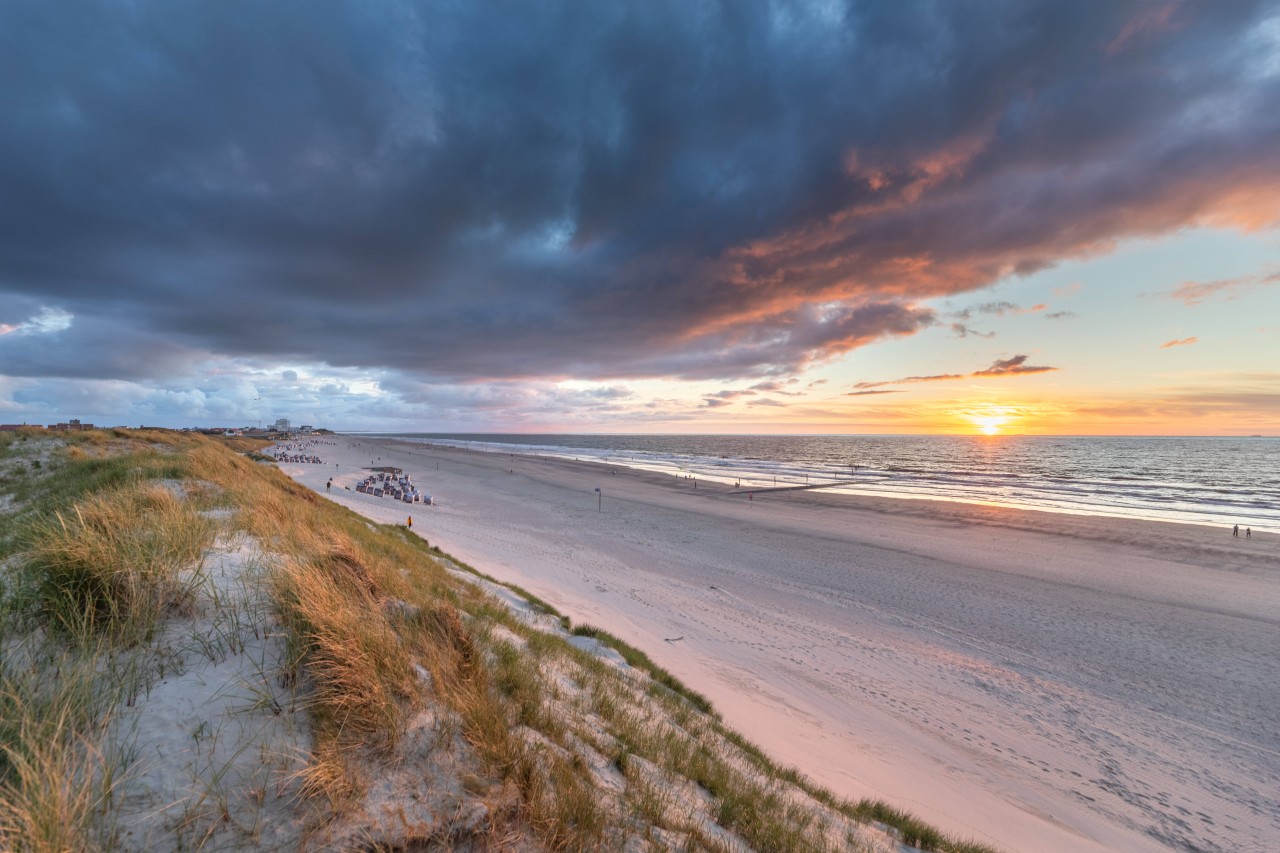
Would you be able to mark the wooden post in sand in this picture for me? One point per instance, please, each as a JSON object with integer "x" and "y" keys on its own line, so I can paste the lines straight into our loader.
{"x": 599, "y": 500}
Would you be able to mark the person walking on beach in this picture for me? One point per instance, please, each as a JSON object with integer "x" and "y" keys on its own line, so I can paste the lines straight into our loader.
{"x": 1248, "y": 533}
{"x": 410, "y": 522}
{"x": 1235, "y": 531}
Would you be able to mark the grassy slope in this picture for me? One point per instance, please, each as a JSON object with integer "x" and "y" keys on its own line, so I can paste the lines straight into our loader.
{"x": 560, "y": 749}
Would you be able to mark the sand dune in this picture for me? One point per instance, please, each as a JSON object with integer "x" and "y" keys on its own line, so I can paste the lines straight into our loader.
{"x": 1035, "y": 681}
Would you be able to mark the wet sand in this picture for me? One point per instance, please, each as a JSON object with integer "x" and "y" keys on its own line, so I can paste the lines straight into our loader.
{"x": 1033, "y": 680}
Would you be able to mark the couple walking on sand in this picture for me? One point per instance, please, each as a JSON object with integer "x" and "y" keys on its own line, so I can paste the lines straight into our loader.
{"x": 1248, "y": 532}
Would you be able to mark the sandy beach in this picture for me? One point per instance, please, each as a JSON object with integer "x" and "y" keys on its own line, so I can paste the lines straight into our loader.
{"x": 1036, "y": 681}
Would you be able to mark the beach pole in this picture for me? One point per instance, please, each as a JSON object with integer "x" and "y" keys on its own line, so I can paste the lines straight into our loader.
{"x": 599, "y": 500}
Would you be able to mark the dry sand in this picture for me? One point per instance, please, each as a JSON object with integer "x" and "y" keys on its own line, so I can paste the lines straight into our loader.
{"x": 1033, "y": 680}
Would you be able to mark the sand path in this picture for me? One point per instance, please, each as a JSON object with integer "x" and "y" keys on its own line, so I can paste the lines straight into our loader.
{"x": 1033, "y": 680}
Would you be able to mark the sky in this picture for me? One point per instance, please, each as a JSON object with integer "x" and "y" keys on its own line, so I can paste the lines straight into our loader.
{"x": 841, "y": 217}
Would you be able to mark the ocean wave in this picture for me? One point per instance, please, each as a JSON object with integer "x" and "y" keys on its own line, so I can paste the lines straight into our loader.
{"x": 1217, "y": 481}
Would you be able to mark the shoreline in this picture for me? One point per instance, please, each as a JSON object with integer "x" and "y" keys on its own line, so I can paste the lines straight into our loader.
{"x": 981, "y": 666}
{"x": 1082, "y": 493}
{"x": 1256, "y": 554}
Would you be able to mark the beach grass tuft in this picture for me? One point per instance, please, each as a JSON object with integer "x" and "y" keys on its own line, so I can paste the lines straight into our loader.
{"x": 56, "y": 779}
{"x": 117, "y": 562}
{"x": 53, "y": 794}
{"x": 362, "y": 676}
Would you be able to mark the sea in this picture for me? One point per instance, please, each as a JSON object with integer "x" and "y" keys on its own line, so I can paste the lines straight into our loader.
{"x": 1218, "y": 481}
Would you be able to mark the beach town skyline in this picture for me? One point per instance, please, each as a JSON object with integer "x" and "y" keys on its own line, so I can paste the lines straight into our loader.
{"x": 813, "y": 218}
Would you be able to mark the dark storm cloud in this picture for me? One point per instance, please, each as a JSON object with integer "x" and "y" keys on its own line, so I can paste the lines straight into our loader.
{"x": 57, "y": 344}
{"x": 463, "y": 191}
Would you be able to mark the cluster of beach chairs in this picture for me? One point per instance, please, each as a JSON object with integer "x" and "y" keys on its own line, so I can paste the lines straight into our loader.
{"x": 399, "y": 488}
{"x": 306, "y": 458}
{"x": 296, "y": 452}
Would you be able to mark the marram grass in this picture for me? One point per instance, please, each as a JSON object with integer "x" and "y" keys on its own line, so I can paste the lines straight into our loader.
{"x": 377, "y": 628}
{"x": 117, "y": 562}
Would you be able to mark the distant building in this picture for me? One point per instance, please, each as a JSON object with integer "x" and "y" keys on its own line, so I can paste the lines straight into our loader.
{"x": 306, "y": 429}
{"x": 282, "y": 425}
{"x": 11, "y": 427}
{"x": 73, "y": 424}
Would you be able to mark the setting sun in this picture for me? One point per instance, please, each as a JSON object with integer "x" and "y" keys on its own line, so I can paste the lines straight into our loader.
{"x": 990, "y": 425}
{"x": 990, "y": 420}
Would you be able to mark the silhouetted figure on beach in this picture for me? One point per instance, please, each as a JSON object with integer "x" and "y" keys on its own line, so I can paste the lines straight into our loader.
{"x": 1248, "y": 533}
{"x": 1235, "y": 531}
{"x": 410, "y": 522}
{"x": 328, "y": 485}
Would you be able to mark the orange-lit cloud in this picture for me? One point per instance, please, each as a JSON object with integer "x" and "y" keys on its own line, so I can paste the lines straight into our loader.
{"x": 1195, "y": 292}
{"x": 1012, "y": 366}
{"x": 1181, "y": 343}
{"x": 907, "y": 380}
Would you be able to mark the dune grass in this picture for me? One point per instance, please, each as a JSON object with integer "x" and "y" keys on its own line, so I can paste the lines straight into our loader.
{"x": 377, "y": 628}
{"x": 50, "y": 805}
{"x": 116, "y": 562}
{"x": 104, "y": 553}
{"x": 363, "y": 681}
{"x": 641, "y": 661}
{"x": 56, "y": 778}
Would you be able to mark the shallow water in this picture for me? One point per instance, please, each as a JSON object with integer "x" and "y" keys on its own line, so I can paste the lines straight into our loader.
{"x": 1221, "y": 481}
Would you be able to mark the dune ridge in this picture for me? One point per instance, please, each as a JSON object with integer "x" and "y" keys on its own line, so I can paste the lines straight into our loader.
{"x": 1033, "y": 680}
